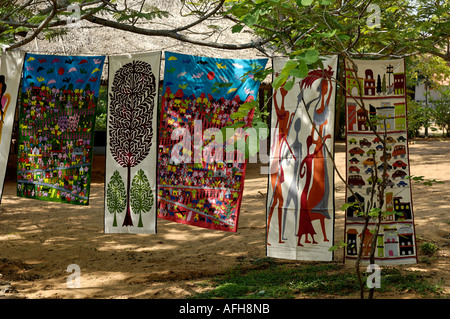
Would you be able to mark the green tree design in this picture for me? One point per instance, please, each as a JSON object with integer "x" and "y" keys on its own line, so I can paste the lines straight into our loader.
{"x": 116, "y": 196}
{"x": 141, "y": 195}
{"x": 230, "y": 209}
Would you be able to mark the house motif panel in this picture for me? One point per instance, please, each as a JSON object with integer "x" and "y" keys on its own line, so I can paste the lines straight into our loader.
{"x": 384, "y": 152}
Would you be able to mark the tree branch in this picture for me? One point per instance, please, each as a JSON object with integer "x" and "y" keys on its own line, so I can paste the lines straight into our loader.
{"x": 18, "y": 9}
{"x": 47, "y": 22}
{"x": 39, "y": 28}
{"x": 174, "y": 35}
{"x": 200, "y": 20}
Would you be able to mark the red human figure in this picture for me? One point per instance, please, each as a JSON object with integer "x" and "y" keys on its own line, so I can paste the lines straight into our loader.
{"x": 305, "y": 225}
{"x": 277, "y": 177}
{"x": 317, "y": 191}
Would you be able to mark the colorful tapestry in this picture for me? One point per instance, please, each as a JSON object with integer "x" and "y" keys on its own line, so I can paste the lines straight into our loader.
{"x": 132, "y": 150}
{"x": 300, "y": 205}
{"x": 200, "y": 178}
{"x": 56, "y": 127}
{"x": 10, "y": 73}
{"x": 381, "y": 85}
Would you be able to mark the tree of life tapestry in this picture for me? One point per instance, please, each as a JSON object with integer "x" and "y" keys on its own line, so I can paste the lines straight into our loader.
{"x": 10, "y": 73}
{"x": 132, "y": 150}
{"x": 300, "y": 197}
{"x": 56, "y": 127}
{"x": 378, "y": 89}
{"x": 200, "y": 179}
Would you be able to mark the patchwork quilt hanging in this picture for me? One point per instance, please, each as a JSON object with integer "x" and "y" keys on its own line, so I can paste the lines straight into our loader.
{"x": 56, "y": 127}
{"x": 382, "y": 87}
{"x": 200, "y": 179}
{"x": 132, "y": 150}
{"x": 300, "y": 197}
{"x": 10, "y": 73}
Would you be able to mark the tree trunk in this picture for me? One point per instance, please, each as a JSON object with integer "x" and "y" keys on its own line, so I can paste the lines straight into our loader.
{"x": 128, "y": 221}
{"x": 140, "y": 224}
{"x": 373, "y": 250}
{"x": 115, "y": 220}
{"x": 358, "y": 260}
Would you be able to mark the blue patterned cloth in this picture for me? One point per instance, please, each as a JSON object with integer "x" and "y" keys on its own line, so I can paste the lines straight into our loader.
{"x": 199, "y": 95}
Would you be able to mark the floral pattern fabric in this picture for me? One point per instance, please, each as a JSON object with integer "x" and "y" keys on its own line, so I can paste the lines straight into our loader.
{"x": 200, "y": 180}
{"x": 56, "y": 123}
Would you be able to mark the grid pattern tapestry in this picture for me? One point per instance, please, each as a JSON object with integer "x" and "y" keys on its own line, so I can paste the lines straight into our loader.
{"x": 200, "y": 179}
{"x": 56, "y": 127}
{"x": 132, "y": 150}
{"x": 300, "y": 205}
{"x": 378, "y": 91}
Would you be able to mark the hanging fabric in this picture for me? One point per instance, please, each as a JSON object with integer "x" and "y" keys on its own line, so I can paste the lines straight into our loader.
{"x": 200, "y": 180}
{"x": 378, "y": 89}
{"x": 132, "y": 150}
{"x": 58, "y": 101}
{"x": 300, "y": 197}
{"x": 10, "y": 73}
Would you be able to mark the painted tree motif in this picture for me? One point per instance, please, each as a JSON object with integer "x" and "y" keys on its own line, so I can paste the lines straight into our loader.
{"x": 130, "y": 118}
{"x": 141, "y": 195}
{"x": 116, "y": 196}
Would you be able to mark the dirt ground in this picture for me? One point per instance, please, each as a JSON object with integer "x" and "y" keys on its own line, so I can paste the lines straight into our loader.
{"x": 39, "y": 240}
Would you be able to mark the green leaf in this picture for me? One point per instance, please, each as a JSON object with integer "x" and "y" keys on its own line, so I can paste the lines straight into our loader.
{"x": 260, "y": 125}
{"x": 344, "y": 37}
{"x": 247, "y": 106}
{"x": 339, "y": 245}
{"x": 348, "y": 205}
{"x": 326, "y": 2}
{"x": 306, "y": 2}
{"x": 16, "y": 30}
{"x": 301, "y": 71}
{"x": 397, "y": 213}
{"x": 329, "y": 34}
{"x": 233, "y": 126}
{"x": 237, "y": 28}
{"x": 37, "y": 19}
{"x": 392, "y": 9}
{"x": 250, "y": 19}
{"x": 374, "y": 212}
{"x": 333, "y": 248}
{"x": 279, "y": 81}
{"x": 289, "y": 85}
{"x": 237, "y": 115}
{"x": 290, "y": 65}
{"x": 311, "y": 56}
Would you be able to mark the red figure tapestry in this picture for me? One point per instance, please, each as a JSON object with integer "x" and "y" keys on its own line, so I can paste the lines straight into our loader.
{"x": 300, "y": 205}
{"x": 378, "y": 89}
{"x": 200, "y": 180}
